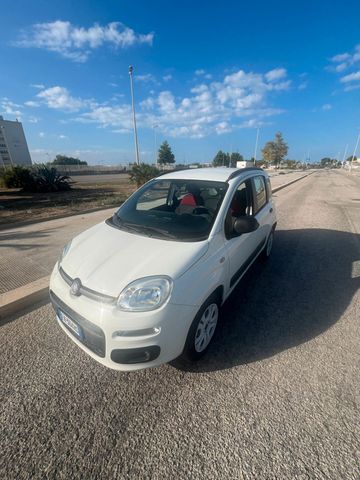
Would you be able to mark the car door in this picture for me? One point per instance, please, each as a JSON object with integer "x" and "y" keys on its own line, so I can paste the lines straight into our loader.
{"x": 262, "y": 210}
{"x": 239, "y": 248}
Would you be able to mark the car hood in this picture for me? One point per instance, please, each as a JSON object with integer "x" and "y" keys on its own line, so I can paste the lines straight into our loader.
{"x": 107, "y": 259}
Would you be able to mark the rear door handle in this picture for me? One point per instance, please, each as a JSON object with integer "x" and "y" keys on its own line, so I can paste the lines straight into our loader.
{"x": 271, "y": 210}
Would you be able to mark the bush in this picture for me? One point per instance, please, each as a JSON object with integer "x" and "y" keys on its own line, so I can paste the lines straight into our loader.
{"x": 17, "y": 177}
{"x": 142, "y": 173}
{"x": 40, "y": 179}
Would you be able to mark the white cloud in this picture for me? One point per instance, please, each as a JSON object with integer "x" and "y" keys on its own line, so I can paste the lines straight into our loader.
{"x": 62, "y": 137}
{"x": 76, "y": 43}
{"x": 326, "y": 106}
{"x": 31, "y": 103}
{"x": 345, "y": 60}
{"x": 200, "y": 71}
{"x": 240, "y": 100}
{"x": 59, "y": 98}
{"x": 215, "y": 107}
{"x": 303, "y": 85}
{"x": 41, "y": 134}
{"x": 351, "y": 77}
{"x": 147, "y": 78}
{"x": 39, "y": 86}
{"x": 275, "y": 74}
{"x": 7, "y": 107}
{"x": 166, "y": 78}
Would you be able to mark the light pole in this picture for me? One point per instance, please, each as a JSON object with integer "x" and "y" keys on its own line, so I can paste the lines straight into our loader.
{"x": 256, "y": 145}
{"x": 134, "y": 118}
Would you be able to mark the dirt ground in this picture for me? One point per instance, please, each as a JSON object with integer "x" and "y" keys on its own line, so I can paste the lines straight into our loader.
{"x": 17, "y": 206}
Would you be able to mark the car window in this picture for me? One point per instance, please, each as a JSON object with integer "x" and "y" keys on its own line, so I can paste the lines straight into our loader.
{"x": 259, "y": 193}
{"x": 182, "y": 210}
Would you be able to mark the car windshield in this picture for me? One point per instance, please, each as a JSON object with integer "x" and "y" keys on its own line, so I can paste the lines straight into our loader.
{"x": 179, "y": 210}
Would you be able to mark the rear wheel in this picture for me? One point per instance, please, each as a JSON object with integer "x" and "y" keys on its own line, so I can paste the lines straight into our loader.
{"x": 202, "y": 330}
{"x": 265, "y": 254}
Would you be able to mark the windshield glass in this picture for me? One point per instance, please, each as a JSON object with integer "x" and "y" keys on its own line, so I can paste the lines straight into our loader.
{"x": 180, "y": 210}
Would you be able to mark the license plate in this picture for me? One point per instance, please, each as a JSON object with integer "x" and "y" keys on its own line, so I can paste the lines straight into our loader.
{"x": 70, "y": 323}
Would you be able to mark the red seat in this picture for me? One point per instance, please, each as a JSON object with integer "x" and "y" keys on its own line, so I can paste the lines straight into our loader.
{"x": 189, "y": 200}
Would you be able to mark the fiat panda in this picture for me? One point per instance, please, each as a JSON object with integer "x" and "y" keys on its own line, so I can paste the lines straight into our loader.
{"x": 146, "y": 286}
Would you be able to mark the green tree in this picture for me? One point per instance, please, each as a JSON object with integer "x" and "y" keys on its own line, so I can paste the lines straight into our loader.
{"x": 64, "y": 160}
{"x": 140, "y": 174}
{"x": 221, "y": 159}
{"x": 275, "y": 151}
{"x": 165, "y": 155}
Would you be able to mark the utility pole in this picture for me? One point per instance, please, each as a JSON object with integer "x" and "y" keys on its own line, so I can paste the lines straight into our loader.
{"x": 134, "y": 118}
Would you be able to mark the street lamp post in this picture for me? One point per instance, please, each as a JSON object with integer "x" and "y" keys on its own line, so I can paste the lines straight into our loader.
{"x": 134, "y": 117}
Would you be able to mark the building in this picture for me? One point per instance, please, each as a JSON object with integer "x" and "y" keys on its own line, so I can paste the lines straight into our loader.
{"x": 13, "y": 145}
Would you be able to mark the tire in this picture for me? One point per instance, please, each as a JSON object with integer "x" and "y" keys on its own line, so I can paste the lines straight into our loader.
{"x": 202, "y": 330}
{"x": 265, "y": 254}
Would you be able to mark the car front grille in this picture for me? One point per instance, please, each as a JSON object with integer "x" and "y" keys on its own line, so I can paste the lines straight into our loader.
{"x": 88, "y": 292}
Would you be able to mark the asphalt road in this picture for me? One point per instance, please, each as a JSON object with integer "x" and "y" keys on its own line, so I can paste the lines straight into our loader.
{"x": 277, "y": 397}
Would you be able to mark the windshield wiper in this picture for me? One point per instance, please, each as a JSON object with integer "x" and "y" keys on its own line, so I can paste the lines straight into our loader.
{"x": 160, "y": 231}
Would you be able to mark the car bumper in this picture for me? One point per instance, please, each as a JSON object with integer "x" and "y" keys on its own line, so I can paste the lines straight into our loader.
{"x": 121, "y": 340}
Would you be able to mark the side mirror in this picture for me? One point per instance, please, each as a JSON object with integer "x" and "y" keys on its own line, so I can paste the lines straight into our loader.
{"x": 245, "y": 224}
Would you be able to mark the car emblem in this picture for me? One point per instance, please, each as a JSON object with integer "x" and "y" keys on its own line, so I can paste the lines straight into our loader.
{"x": 75, "y": 287}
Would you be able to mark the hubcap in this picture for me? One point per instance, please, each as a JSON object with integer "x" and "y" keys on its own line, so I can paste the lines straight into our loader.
{"x": 206, "y": 327}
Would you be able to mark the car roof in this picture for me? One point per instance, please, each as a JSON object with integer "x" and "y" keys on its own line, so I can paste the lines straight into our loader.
{"x": 217, "y": 174}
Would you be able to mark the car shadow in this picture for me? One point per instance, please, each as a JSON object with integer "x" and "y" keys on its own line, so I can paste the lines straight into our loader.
{"x": 302, "y": 291}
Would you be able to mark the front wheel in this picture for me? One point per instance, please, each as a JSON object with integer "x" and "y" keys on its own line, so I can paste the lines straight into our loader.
{"x": 202, "y": 330}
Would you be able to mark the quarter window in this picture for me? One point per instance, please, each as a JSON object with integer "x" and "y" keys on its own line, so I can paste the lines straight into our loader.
{"x": 260, "y": 193}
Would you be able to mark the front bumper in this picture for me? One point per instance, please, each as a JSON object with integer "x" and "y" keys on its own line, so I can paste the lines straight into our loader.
{"x": 122, "y": 340}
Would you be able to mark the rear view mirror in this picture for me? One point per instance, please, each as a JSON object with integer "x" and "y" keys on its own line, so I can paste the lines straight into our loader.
{"x": 245, "y": 224}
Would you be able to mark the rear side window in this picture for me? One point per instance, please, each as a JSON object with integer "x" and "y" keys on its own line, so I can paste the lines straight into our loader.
{"x": 259, "y": 192}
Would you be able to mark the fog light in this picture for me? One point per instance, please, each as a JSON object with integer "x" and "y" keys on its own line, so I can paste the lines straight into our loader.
{"x": 135, "y": 355}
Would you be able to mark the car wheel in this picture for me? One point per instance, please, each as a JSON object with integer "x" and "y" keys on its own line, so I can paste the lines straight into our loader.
{"x": 202, "y": 330}
{"x": 265, "y": 254}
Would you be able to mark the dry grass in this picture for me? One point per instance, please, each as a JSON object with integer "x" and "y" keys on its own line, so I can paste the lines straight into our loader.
{"x": 17, "y": 206}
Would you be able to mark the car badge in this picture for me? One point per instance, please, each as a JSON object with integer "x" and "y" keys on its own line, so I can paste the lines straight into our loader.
{"x": 75, "y": 287}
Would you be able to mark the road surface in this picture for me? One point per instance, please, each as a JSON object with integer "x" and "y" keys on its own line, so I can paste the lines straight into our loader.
{"x": 277, "y": 397}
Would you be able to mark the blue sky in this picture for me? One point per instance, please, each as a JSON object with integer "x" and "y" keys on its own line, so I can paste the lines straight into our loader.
{"x": 207, "y": 75}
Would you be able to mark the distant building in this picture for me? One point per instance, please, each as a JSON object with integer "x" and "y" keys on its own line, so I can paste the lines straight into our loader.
{"x": 13, "y": 145}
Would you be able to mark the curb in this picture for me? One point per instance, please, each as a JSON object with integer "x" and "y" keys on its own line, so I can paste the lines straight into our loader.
{"x": 280, "y": 187}
{"x": 23, "y": 297}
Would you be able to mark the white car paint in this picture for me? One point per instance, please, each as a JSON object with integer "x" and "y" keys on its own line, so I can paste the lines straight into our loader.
{"x": 107, "y": 259}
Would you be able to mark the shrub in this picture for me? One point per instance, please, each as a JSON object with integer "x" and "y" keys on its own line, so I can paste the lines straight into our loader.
{"x": 17, "y": 177}
{"x": 142, "y": 173}
{"x": 40, "y": 179}
{"x": 48, "y": 179}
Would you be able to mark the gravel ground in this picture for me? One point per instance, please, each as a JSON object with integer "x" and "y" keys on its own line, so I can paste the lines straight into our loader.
{"x": 277, "y": 397}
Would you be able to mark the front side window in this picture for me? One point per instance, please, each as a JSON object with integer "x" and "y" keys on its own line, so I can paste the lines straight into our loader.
{"x": 181, "y": 210}
{"x": 260, "y": 193}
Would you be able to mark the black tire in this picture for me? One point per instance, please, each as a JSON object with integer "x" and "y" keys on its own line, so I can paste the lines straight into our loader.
{"x": 212, "y": 307}
{"x": 265, "y": 254}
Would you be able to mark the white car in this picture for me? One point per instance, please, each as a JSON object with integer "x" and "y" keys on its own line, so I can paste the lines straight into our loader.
{"x": 145, "y": 286}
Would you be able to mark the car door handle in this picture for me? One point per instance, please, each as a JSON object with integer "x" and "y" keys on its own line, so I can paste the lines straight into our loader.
{"x": 271, "y": 210}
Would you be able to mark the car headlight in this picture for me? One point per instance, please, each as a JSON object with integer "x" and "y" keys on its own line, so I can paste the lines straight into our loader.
{"x": 64, "y": 252}
{"x": 145, "y": 294}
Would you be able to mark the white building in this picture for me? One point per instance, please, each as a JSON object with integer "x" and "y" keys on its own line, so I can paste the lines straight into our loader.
{"x": 13, "y": 145}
